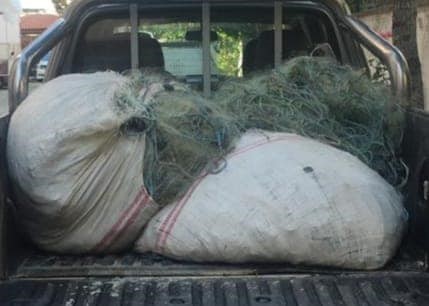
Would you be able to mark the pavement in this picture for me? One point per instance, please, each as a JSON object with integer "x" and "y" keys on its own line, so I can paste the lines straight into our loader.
{"x": 4, "y": 107}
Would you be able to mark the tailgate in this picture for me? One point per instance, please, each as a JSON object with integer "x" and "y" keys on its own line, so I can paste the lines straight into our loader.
{"x": 377, "y": 288}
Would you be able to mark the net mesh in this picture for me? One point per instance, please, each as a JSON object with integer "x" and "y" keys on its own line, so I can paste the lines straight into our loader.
{"x": 314, "y": 97}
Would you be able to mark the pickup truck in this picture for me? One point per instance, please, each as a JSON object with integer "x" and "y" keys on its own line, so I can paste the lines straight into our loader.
{"x": 120, "y": 35}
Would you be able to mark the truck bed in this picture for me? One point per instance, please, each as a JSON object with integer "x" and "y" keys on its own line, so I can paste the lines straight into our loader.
{"x": 32, "y": 263}
{"x": 401, "y": 288}
{"x": 38, "y": 278}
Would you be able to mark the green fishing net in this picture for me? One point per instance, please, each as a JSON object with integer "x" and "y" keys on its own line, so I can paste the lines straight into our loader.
{"x": 315, "y": 97}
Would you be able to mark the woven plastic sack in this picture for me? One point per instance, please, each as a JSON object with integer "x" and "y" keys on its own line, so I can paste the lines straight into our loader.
{"x": 76, "y": 168}
{"x": 283, "y": 198}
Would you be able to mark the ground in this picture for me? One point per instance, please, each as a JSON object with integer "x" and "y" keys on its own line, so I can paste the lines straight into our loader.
{"x": 4, "y": 108}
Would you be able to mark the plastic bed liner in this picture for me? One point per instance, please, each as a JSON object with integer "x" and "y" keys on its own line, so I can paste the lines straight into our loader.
{"x": 29, "y": 262}
{"x": 363, "y": 289}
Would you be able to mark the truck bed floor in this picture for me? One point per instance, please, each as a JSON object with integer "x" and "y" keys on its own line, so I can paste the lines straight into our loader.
{"x": 374, "y": 288}
{"x": 44, "y": 265}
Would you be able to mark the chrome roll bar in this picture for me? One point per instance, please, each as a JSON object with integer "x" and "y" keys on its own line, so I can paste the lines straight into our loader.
{"x": 18, "y": 80}
{"x": 391, "y": 56}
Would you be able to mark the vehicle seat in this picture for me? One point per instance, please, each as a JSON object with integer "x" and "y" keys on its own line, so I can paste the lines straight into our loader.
{"x": 259, "y": 53}
{"x": 150, "y": 52}
{"x": 114, "y": 54}
{"x": 249, "y": 56}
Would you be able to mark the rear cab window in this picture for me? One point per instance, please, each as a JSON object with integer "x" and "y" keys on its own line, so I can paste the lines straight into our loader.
{"x": 242, "y": 40}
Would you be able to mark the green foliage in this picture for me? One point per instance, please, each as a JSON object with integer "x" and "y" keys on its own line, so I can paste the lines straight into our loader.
{"x": 168, "y": 32}
{"x": 379, "y": 72}
{"x": 355, "y": 5}
{"x": 228, "y": 48}
{"x": 228, "y": 53}
{"x": 60, "y": 5}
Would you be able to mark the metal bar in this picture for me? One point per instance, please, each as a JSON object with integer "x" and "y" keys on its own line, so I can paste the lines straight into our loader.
{"x": 134, "y": 21}
{"x": 206, "y": 49}
{"x": 18, "y": 87}
{"x": 278, "y": 33}
{"x": 391, "y": 56}
{"x": 4, "y": 213}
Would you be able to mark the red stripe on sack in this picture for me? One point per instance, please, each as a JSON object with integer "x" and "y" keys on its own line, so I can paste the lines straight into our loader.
{"x": 126, "y": 219}
{"x": 170, "y": 221}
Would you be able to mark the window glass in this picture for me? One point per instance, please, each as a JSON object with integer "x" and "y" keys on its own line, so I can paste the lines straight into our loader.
{"x": 233, "y": 51}
{"x": 238, "y": 31}
{"x": 180, "y": 44}
{"x": 245, "y": 46}
{"x": 105, "y": 45}
{"x": 241, "y": 41}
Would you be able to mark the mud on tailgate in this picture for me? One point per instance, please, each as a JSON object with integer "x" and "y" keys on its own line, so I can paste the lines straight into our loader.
{"x": 362, "y": 289}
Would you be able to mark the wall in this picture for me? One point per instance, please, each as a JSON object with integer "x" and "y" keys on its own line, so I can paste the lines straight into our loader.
{"x": 9, "y": 31}
{"x": 10, "y": 41}
{"x": 423, "y": 45}
{"x": 381, "y": 21}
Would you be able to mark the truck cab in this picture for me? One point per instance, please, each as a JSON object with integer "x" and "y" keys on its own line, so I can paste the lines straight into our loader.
{"x": 202, "y": 43}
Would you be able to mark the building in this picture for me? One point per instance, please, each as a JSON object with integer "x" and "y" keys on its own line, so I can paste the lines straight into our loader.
{"x": 27, "y": 11}
{"x": 380, "y": 19}
{"x": 32, "y": 25}
{"x": 9, "y": 37}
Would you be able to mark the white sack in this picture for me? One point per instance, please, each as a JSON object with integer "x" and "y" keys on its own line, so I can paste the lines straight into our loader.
{"x": 78, "y": 177}
{"x": 283, "y": 198}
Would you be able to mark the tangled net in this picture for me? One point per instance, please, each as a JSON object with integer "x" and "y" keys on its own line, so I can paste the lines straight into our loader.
{"x": 185, "y": 133}
{"x": 314, "y": 97}
{"x": 318, "y": 98}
